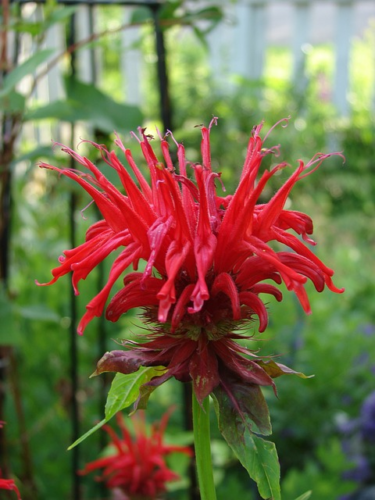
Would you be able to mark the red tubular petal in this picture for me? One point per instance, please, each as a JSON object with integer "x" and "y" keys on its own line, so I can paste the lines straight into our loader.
{"x": 156, "y": 236}
{"x": 204, "y": 244}
{"x": 136, "y": 294}
{"x": 225, "y": 284}
{"x": 96, "y": 305}
{"x": 253, "y": 301}
{"x": 136, "y": 197}
{"x": 107, "y": 208}
{"x": 270, "y": 289}
{"x": 305, "y": 267}
{"x": 302, "y": 297}
{"x": 174, "y": 260}
{"x": 142, "y": 181}
{"x": 295, "y": 244}
{"x": 180, "y": 307}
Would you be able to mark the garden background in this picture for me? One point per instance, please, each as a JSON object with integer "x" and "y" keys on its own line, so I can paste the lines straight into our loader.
{"x": 324, "y": 436}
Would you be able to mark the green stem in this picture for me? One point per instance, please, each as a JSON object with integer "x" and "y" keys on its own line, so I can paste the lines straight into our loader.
{"x": 202, "y": 444}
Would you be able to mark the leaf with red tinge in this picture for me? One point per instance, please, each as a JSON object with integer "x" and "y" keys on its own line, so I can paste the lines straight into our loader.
{"x": 275, "y": 370}
{"x": 118, "y": 361}
{"x": 244, "y": 404}
{"x": 240, "y": 413}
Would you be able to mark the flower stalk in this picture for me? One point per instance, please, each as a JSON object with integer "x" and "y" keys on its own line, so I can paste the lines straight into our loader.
{"x": 202, "y": 443}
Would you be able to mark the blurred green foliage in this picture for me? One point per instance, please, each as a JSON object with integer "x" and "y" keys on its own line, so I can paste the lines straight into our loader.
{"x": 335, "y": 343}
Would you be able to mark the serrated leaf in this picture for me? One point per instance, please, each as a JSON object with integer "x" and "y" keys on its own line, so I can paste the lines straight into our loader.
{"x": 24, "y": 69}
{"x": 259, "y": 457}
{"x": 125, "y": 389}
{"x": 264, "y": 465}
{"x": 88, "y": 433}
{"x": 305, "y": 496}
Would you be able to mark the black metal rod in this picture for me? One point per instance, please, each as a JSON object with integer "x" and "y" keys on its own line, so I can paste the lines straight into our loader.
{"x": 76, "y": 491}
{"x": 73, "y": 349}
{"x": 165, "y": 101}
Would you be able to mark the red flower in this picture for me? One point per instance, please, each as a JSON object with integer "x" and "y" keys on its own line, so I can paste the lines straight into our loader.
{"x": 208, "y": 258}
{"x": 10, "y": 485}
{"x": 137, "y": 465}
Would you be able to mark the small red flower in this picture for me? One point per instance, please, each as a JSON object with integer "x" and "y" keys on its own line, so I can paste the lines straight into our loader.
{"x": 137, "y": 465}
{"x": 208, "y": 259}
{"x": 10, "y": 485}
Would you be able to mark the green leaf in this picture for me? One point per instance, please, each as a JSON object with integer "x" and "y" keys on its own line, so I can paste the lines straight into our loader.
{"x": 25, "y": 26}
{"x": 140, "y": 15}
{"x": 58, "y": 15}
{"x": 259, "y": 457}
{"x": 38, "y": 312}
{"x": 89, "y": 104}
{"x": 13, "y": 102}
{"x": 88, "y": 433}
{"x": 125, "y": 389}
{"x": 59, "y": 110}
{"x": 55, "y": 15}
{"x": 305, "y": 496}
{"x": 27, "y": 67}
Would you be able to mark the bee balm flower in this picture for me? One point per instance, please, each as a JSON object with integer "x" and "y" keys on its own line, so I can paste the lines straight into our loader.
{"x": 136, "y": 465}
{"x": 208, "y": 259}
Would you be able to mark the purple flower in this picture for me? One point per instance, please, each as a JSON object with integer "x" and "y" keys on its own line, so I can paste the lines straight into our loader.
{"x": 361, "y": 471}
{"x": 368, "y": 418}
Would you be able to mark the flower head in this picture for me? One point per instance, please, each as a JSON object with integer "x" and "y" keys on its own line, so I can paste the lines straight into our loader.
{"x": 208, "y": 259}
{"x": 137, "y": 465}
{"x": 8, "y": 484}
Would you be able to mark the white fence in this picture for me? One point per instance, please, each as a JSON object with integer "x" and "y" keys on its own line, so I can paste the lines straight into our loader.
{"x": 239, "y": 44}
{"x": 240, "y": 47}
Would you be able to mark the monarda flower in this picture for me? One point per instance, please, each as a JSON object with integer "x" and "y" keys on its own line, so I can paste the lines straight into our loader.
{"x": 136, "y": 465}
{"x": 8, "y": 484}
{"x": 209, "y": 259}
